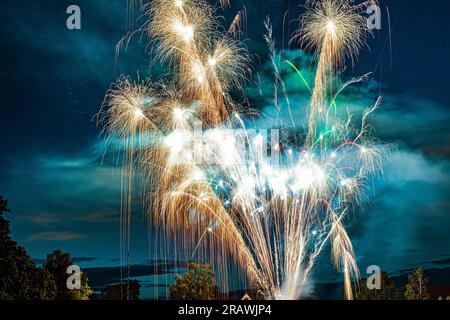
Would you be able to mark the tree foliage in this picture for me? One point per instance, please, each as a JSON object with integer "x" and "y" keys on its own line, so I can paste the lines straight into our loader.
{"x": 56, "y": 264}
{"x": 417, "y": 286}
{"x": 125, "y": 291}
{"x": 198, "y": 283}
{"x": 387, "y": 290}
{"x": 20, "y": 279}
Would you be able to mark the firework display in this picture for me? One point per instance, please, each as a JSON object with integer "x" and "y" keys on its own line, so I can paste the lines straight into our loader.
{"x": 219, "y": 191}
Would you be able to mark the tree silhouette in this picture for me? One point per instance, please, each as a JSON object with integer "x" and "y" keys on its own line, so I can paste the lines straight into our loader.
{"x": 196, "y": 284}
{"x": 56, "y": 264}
{"x": 20, "y": 279}
{"x": 387, "y": 290}
{"x": 125, "y": 291}
{"x": 417, "y": 286}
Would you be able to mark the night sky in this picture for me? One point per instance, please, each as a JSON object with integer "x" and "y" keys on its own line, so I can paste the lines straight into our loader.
{"x": 63, "y": 194}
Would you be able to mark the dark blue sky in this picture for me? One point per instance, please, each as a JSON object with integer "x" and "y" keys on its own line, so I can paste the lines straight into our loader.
{"x": 63, "y": 196}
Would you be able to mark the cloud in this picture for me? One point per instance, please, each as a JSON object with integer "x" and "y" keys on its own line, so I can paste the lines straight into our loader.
{"x": 55, "y": 236}
{"x": 55, "y": 218}
{"x": 405, "y": 165}
{"x": 80, "y": 193}
{"x": 40, "y": 218}
{"x": 75, "y": 259}
{"x": 89, "y": 48}
{"x": 102, "y": 276}
{"x": 60, "y": 187}
{"x": 99, "y": 217}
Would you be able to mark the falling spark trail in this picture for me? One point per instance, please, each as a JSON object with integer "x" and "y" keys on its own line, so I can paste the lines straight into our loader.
{"x": 220, "y": 198}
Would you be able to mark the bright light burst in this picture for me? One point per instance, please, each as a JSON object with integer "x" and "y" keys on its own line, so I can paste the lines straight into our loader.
{"x": 336, "y": 30}
{"x": 219, "y": 197}
{"x": 334, "y": 25}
